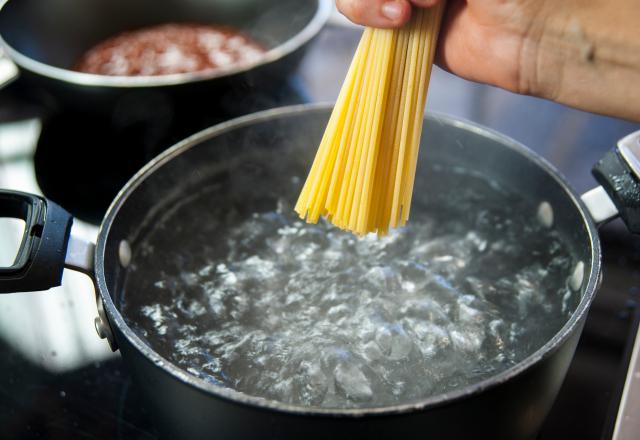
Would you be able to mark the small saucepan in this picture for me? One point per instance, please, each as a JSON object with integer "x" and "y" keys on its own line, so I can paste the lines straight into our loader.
{"x": 42, "y": 40}
{"x": 259, "y": 154}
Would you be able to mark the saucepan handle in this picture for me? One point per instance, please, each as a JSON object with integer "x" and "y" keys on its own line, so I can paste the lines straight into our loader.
{"x": 47, "y": 247}
{"x": 8, "y": 70}
{"x": 43, "y": 249}
{"x": 619, "y": 176}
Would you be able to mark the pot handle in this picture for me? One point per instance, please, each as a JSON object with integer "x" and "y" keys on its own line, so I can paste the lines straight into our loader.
{"x": 618, "y": 172}
{"x": 43, "y": 250}
{"x": 47, "y": 247}
{"x": 8, "y": 70}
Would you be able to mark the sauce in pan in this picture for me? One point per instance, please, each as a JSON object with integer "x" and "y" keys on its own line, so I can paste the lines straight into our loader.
{"x": 170, "y": 49}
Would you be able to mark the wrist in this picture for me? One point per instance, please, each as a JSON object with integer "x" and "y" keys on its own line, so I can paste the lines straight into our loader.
{"x": 541, "y": 65}
{"x": 585, "y": 60}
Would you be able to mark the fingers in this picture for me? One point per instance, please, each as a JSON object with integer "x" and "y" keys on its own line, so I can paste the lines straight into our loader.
{"x": 376, "y": 13}
{"x": 425, "y": 3}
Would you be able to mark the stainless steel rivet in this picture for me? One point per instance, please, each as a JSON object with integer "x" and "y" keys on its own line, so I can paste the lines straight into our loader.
{"x": 577, "y": 276}
{"x": 124, "y": 253}
{"x": 545, "y": 214}
{"x": 99, "y": 326}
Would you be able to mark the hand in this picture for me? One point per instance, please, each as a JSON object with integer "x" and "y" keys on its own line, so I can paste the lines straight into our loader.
{"x": 481, "y": 40}
{"x": 580, "y": 53}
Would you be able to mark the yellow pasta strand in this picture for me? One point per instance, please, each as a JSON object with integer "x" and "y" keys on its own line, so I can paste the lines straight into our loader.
{"x": 363, "y": 174}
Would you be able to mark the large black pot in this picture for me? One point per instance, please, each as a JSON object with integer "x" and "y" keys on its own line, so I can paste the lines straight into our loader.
{"x": 43, "y": 39}
{"x": 276, "y": 145}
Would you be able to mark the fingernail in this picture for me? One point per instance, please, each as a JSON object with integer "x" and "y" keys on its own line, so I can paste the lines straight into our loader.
{"x": 392, "y": 10}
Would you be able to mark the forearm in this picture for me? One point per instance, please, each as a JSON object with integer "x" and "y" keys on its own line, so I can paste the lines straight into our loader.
{"x": 586, "y": 54}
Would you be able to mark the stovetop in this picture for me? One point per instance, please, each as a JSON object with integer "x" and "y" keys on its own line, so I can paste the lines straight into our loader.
{"x": 59, "y": 381}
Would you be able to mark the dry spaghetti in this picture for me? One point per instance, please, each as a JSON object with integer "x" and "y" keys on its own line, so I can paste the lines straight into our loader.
{"x": 362, "y": 176}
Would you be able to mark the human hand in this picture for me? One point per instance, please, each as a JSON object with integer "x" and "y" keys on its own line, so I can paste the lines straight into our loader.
{"x": 480, "y": 40}
{"x": 583, "y": 54}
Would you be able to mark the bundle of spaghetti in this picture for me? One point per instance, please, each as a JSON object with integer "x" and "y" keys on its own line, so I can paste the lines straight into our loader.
{"x": 362, "y": 177}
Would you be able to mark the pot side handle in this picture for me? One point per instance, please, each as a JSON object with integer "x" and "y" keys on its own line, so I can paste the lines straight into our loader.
{"x": 618, "y": 172}
{"x": 43, "y": 249}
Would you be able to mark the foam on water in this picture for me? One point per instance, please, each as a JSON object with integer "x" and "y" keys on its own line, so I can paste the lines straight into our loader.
{"x": 310, "y": 315}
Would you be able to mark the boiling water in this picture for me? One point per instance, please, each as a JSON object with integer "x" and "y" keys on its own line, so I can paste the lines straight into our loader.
{"x": 310, "y": 315}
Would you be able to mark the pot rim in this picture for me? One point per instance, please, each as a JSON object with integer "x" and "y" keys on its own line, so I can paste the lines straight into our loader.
{"x": 312, "y": 28}
{"x": 553, "y": 344}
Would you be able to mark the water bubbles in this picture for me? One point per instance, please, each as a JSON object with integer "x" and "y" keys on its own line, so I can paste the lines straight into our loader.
{"x": 189, "y": 279}
{"x": 466, "y": 340}
{"x": 394, "y": 342}
{"x": 159, "y": 316}
{"x": 338, "y": 312}
{"x": 191, "y": 309}
{"x": 217, "y": 307}
{"x": 312, "y": 382}
{"x": 476, "y": 240}
{"x": 352, "y": 383}
{"x": 309, "y": 315}
{"x": 225, "y": 276}
{"x": 470, "y": 316}
{"x": 433, "y": 339}
{"x": 497, "y": 330}
{"x": 415, "y": 276}
{"x": 383, "y": 278}
{"x": 371, "y": 351}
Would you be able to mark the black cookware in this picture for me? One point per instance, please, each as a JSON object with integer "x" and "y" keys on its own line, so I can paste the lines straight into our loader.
{"x": 44, "y": 39}
{"x": 272, "y": 146}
